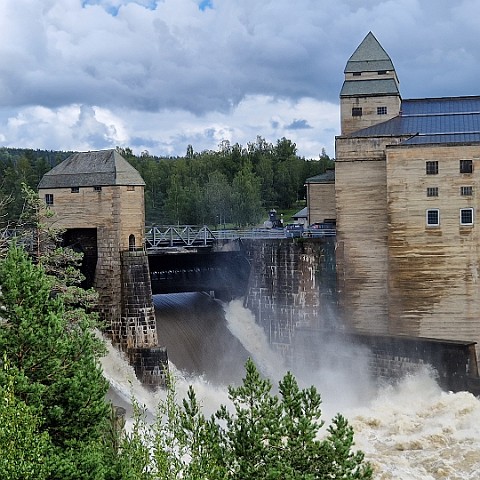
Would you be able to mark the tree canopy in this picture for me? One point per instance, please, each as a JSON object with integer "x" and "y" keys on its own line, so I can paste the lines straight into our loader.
{"x": 200, "y": 188}
{"x": 261, "y": 436}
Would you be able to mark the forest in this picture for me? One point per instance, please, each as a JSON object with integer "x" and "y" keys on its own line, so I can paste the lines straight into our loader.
{"x": 234, "y": 185}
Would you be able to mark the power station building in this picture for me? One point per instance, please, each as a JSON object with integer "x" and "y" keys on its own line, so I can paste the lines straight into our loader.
{"x": 407, "y": 186}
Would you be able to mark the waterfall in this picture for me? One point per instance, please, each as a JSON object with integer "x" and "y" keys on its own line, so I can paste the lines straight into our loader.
{"x": 409, "y": 431}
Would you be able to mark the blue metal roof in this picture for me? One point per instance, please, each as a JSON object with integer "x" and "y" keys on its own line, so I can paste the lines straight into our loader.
{"x": 445, "y": 106}
{"x": 437, "y": 120}
{"x": 449, "y": 138}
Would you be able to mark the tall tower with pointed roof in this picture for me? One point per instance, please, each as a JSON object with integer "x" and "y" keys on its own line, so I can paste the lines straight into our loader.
{"x": 370, "y": 92}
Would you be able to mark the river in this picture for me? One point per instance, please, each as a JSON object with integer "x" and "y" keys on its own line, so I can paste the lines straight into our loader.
{"x": 409, "y": 431}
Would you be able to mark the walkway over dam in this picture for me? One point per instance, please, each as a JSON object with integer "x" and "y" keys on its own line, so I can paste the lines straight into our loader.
{"x": 192, "y": 237}
{"x": 189, "y": 259}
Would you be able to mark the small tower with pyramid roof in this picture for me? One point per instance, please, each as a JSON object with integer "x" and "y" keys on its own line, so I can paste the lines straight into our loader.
{"x": 370, "y": 92}
{"x": 98, "y": 201}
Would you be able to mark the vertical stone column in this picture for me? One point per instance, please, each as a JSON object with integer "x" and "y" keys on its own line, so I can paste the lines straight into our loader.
{"x": 138, "y": 335}
{"x": 108, "y": 283}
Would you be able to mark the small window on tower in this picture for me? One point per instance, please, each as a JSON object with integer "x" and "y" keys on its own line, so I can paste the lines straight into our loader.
{"x": 356, "y": 111}
{"x": 381, "y": 110}
{"x": 75, "y": 189}
{"x": 357, "y": 74}
{"x": 431, "y": 168}
{"x": 466, "y": 166}
{"x": 97, "y": 188}
{"x": 432, "y": 191}
{"x": 49, "y": 199}
{"x": 466, "y": 191}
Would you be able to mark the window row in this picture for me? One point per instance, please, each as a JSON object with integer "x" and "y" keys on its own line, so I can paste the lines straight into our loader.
{"x": 96, "y": 188}
{"x": 379, "y": 72}
{"x": 358, "y": 112}
{"x": 466, "y": 191}
{"x": 433, "y": 217}
{"x": 431, "y": 167}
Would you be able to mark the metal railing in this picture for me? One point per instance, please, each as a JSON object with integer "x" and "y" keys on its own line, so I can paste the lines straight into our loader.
{"x": 178, "y": 236}
{"x": 157, "y": 237}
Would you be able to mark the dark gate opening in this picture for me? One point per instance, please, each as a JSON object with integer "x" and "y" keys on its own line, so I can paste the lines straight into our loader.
{"x": 84, "y": 240}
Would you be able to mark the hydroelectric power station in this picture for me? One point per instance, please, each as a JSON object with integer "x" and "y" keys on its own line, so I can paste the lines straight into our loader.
{"x": 290, "y": 284}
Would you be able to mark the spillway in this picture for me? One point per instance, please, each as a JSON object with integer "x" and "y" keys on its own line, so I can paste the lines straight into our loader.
{"x": 409, "y": 431}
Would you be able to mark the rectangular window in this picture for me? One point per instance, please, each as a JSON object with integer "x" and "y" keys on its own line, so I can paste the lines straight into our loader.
{"x": 431, "y": 168}
{"x": 466, "y": 216}
{"x": 432, "y": 192}
{"x": 97, "y": 188}
{"x": 130, "y": 188}
{"x": 466, "y": 191}
{"x": 433, "y": 217}
{"x": 357, "y": 74}
{"x": 466, "y": 166}
{"x": 49, "y": 199}
{"x": 356, "y": 111}
{"x": 382, "y": 72}
{"x": 381, "y": 110}
{"x": 75, "y": 189}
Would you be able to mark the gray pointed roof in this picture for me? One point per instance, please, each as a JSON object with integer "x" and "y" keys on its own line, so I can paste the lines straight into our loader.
{"x": 369, "y": 57}
{"x": 88, "y": 169}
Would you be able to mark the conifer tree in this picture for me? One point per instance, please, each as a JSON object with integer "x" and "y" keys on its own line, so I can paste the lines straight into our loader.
{"x": 54, "y": 361}
{"x": 260, "y": 436}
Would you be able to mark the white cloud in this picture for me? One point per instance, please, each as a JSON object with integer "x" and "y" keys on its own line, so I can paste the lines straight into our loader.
{"x": 162, "y": 74}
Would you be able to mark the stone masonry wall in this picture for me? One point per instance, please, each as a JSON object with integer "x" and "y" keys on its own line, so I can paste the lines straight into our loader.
{"x": 138, "y": 325}
{"x": 108, "y": 282}
{"x": 291, "y": 286}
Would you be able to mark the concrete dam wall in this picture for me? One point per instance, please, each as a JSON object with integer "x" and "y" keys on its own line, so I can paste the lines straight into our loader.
{"x": 292, "y": 292}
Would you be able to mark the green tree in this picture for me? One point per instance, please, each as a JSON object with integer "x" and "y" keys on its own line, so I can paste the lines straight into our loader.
{"x": 246, "y": 197}
{"x": 262, "y": 435}
{"x": 218, "y": 198}
{"x": 24, "y": 449}
{"x": 277, "y": 437}
{"x": 42, "y": 241}
{"x": 54, "y": 360}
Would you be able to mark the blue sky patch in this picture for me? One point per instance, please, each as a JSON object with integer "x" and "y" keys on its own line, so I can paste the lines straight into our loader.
{"x": 204, "y": 4}
{"x": 298, "y": 125}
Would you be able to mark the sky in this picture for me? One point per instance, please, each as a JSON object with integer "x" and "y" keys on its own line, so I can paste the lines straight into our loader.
{"x": 159, "y": 75}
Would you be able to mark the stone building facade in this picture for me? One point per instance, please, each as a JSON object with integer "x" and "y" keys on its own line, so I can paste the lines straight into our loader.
{"x": 407, "y": 183}
{"x": 98, "y": 199}
{"x": 321, "y": 198}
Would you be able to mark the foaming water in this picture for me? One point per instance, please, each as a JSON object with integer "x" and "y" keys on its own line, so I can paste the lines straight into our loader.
{"x": 241, "y": 322}
{"x": 410, "y": 431}
{"x": 341, "y": 374}
{"x": 124, "y": 386}
{"x": 416, "y": 431}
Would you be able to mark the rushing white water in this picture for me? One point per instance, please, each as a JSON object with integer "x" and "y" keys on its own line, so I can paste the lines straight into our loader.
{"x": 410, "y": 431}
{"x": 124, "y": 386}
{"x": 241, "y": 322}
{"x": 415, "y": 431}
